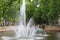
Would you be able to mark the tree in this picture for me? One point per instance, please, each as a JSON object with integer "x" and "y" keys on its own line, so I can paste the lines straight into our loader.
{"x": 9, "y": 9}
{"x": 47, "y": 12}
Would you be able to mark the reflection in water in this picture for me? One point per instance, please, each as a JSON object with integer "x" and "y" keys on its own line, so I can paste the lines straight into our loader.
{"x": 1, "y": 33}
{"x": 53, "y": 36}
{"x": 10, "y": 36}
{"x": 58, "y": 35}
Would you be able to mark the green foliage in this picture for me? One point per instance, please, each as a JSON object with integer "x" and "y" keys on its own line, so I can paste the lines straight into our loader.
{"x": 47, "y": 12}
{"x": 42, "y": 11}
{"x": 8, "y": 9}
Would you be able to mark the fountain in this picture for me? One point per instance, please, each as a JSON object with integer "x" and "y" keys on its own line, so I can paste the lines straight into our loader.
{"x": 25, "y": 31}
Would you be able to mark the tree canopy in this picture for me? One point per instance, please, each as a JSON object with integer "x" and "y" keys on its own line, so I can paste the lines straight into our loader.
{"x": 42, "y": 11}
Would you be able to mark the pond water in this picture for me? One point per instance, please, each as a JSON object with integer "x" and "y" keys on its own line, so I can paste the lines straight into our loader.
{"x": 52, "y": 36}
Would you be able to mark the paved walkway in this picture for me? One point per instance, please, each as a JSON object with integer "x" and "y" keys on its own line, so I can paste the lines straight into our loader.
{"x": 47, "y": 28}
{"x": 7, "y": 28}
{"x": 52, "y": 28}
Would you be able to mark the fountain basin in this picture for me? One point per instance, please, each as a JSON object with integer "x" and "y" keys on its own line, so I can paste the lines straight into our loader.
{"x": 21, "y": 38}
